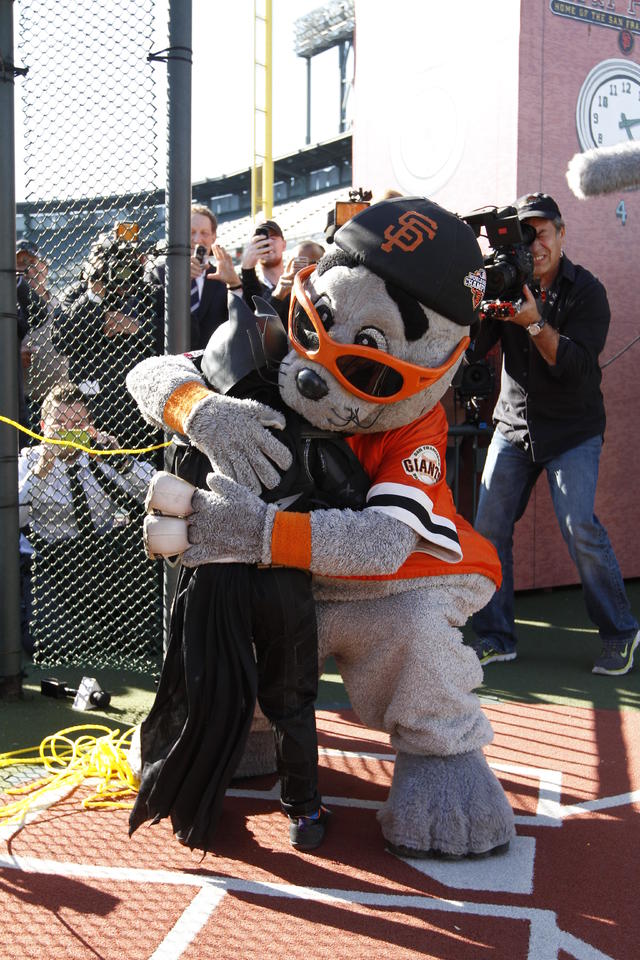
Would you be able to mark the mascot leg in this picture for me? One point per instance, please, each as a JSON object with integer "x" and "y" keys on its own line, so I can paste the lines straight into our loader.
{"x": 407, "y": 672}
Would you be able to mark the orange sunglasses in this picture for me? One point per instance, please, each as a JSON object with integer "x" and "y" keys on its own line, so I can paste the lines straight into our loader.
{"x": 364, "y": 371}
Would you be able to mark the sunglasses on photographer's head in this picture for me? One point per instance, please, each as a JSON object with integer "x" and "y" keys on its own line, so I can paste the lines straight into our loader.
{"x": 364, "y": 371}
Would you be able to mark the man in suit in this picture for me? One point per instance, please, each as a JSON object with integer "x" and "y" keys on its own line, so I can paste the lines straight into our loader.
{"x": 209, "y": 282}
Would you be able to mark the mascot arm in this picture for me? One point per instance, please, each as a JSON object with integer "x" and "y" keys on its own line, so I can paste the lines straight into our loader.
{"x": 234, "y": 434}
{"x": 230, "y": 524}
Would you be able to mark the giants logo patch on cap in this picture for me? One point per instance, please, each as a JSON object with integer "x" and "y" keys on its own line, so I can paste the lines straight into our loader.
{"x": 424, "y": 465}
{"x": 477, "y": 283}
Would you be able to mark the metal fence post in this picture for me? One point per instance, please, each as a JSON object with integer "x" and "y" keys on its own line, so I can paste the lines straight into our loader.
{"x": 178, "y": 206}
{"x": 10, "y": 646}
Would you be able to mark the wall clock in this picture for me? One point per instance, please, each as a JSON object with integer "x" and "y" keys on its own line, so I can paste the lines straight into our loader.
{"x": 608, "y": 107}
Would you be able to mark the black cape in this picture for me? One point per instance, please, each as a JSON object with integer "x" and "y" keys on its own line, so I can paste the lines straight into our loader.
{"x": 197, "y": 728}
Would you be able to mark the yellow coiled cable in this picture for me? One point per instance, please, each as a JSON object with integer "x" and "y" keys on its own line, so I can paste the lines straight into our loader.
{"x": 99, "y": 754}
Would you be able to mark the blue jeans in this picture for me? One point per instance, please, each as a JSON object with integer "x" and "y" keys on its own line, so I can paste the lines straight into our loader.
{"x": 507, "y": 481}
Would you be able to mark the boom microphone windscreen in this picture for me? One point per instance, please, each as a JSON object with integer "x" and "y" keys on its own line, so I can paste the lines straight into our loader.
{"x": 604, "y": 170}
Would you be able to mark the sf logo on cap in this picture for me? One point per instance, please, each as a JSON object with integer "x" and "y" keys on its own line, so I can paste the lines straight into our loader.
{"x": 411, "y": 230}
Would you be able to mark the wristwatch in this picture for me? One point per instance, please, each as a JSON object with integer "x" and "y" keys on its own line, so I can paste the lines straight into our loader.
{"x": 534, "y": 328}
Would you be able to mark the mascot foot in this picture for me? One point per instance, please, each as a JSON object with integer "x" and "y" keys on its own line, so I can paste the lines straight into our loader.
{"x": 448, "y": 807}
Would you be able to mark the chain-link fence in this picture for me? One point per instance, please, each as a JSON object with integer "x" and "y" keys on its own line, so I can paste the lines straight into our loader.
{"x": 91, "y": 220}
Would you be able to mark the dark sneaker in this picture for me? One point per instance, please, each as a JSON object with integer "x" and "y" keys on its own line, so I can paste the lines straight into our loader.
{"x": 487, "y": 653}
{"x": 616, "y": 660}
{"x": 307, "y": 833}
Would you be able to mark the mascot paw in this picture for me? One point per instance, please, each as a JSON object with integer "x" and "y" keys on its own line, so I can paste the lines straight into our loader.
{"x": 229, "y": 524}
{"x": 449, "y": 807}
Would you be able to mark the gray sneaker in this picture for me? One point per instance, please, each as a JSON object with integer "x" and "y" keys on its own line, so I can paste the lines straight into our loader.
{"x": 487, "y": 653}
{"x": 615, "y": 659}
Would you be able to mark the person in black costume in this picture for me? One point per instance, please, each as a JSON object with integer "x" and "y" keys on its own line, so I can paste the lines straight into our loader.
{"x": 195, "y": 734}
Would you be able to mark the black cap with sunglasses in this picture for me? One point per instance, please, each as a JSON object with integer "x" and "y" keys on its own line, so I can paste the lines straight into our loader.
{"x": 427, "y": 251}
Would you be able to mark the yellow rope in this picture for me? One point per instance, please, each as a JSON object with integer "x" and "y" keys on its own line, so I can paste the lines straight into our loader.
{"x": 79, "y": 446}
{"x": 68, "y": 761}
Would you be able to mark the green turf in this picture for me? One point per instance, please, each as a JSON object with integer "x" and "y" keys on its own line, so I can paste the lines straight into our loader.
{"x": 556, "y": 649}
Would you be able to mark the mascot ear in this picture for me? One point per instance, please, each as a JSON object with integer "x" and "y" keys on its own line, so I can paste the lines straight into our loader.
{"x": 273, "y": 334}
{"x": 241, "y": 345}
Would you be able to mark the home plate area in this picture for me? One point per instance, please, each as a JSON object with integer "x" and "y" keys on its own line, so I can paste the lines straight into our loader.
{"x": 74, "y": 885}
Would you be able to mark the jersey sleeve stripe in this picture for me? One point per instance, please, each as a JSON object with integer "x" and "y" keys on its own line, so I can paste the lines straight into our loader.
{"x": 409, "y": 505}
{"x": 424, "y": 518}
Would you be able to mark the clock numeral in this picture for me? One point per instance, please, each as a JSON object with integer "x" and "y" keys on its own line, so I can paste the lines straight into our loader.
{"x": 626, "y": 87}
{"x": 604, "y": 101}
{"x": 621, "y": 212}
{"x": 595, "y": 118}
{"x": 613, "y": 89}
{"x": 599, "y": 138}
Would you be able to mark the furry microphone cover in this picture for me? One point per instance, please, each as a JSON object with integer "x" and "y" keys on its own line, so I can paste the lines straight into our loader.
{"x": 604, "y": 170}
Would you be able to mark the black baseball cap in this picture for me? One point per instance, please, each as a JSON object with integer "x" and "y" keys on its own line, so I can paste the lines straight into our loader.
{"x": 27, "y": 246}
{"x": 425, "y": 250}
{"x": 272, "y": 227}
{"x": 537, "y": 205}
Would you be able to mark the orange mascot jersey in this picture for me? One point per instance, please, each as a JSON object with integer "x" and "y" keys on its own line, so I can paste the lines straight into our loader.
{"x": 407, "y": 472}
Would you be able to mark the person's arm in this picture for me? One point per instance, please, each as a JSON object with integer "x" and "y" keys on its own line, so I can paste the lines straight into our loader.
{"x": 572, "y": 353}
{"x": 547, "y": 340}
{"x": 236, "y": 435}
{"x": 484, "y": 334}
{"x": 131, "y": 474}
{"x": 252, "y": 287}
{"x": 225, "y": 271}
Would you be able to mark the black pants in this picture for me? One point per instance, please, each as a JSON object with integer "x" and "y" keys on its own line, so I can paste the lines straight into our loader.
{"x": 197, "y": 728}
{"x": 285, "y": 640}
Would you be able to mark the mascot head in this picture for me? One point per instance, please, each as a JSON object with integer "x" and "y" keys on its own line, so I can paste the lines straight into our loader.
{"x": 378, "y": 328}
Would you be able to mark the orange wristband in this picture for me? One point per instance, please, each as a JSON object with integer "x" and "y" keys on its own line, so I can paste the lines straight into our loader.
{"x": 291, "y": 540}
{"x": 181, "y": 403}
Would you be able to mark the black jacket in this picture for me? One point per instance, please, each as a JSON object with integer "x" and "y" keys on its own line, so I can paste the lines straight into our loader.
{"x": 212, "y": 309}
{"x": 546, "y": 409}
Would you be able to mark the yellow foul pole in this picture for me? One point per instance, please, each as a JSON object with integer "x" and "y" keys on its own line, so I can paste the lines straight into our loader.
{"x": 262, "y": 168}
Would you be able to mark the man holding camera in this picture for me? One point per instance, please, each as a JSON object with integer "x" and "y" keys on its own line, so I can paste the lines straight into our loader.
{"x": 80, "y": 513}
{"x": 550, "y": 416}
{"x": 107, "y": 328}
{"x": 262, "y": 265}
{"x": 209, "y": 282}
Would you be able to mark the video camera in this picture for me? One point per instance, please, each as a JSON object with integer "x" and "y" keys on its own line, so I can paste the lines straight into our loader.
{"x": 115, "y": 260}
{"x": 343, "y": 210}
{"x": 510, "y": 264}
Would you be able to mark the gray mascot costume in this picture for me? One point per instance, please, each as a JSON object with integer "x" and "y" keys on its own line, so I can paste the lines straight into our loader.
{"x": 376, "y": 332}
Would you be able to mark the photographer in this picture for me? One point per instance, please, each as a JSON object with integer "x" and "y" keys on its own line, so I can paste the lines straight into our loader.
{"x": 209, "y": 282}
{"x": 262, "y": 263}
{"x": 550, "y": 416}
{"x": 78, "y": 510}
{"x": 109, "y": 327}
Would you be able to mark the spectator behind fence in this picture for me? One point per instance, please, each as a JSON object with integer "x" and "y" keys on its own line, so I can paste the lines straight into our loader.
{"x": 262, "y": 262}
{"x": 550, "y": 416}
{"x": 75, "y": 510}
{"x": 108, "y": 327}
{"x": 304, "y": 253}
{"x": 42, "y": 364}
{"x": 209, "y": 282}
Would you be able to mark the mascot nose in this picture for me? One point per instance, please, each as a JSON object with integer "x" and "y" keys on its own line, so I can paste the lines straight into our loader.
{"x": 311, "y": 385}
